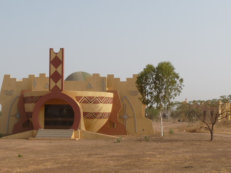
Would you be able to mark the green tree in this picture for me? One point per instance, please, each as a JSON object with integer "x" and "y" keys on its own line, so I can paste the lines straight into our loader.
{"x": 159, "y": 85}
{"x": 225, "y": 99}
{"x": 152, "y": 113}
{"x": 144, "y": 83}
{"x": 181, "y": 112}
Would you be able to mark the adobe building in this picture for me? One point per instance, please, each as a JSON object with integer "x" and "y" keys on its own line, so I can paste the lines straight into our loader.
{"x": 82, "y": 102}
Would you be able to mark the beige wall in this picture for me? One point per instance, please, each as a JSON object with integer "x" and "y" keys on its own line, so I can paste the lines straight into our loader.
{"x": 131, "y": 105}
{"x": 225, "y": 111}
{"x": 10, "y": 91}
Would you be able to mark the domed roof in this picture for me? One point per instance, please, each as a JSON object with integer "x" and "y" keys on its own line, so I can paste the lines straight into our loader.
{"x": 77, "y": 76}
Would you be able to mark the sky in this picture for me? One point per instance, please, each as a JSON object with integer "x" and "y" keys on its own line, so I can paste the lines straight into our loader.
{"x": 121, "y": 37}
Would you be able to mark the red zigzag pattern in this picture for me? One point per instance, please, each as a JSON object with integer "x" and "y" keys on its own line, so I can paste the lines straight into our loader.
{"x": 94, "y": 100}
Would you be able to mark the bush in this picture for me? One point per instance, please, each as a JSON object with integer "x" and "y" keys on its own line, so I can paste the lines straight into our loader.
{"x": 19, "y": 155}
{"x": 147, "y": 138}
{"x": 118, "y": 140}
{"x": 171, "y": 132}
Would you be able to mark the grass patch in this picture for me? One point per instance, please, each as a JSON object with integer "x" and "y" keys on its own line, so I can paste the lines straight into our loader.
{"x": 20, "y": 155}
{"x": 224, "y": 124}
{"x": 171, "y": 131}
{"x": 196, "y": 129}
{"x": 147, "y": 138}
{"x": 118, "y": 140}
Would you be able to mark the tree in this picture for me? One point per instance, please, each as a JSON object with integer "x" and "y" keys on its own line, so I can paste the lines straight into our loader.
{"x": 181, "y": 112}
{"x": 158, "y": 86}
{"x": 152, "y": 113}
{"x": 225, "y": 99}
{"x": 208, "y": 113}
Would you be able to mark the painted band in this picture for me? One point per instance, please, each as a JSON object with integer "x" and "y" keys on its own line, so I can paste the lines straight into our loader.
{"x": 96, "y": 115}
{"x": 94, "y": 99}
{"x": 31, "y": 99}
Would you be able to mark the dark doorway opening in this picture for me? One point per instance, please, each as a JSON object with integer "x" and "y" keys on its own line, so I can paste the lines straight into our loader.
{"x": 58, "y": 116}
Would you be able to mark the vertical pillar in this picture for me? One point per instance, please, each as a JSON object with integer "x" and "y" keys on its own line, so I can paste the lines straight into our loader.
{"x": 56, "y": 76}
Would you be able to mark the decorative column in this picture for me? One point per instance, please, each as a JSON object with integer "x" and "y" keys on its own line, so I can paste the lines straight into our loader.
{"x": 56, "y": 76}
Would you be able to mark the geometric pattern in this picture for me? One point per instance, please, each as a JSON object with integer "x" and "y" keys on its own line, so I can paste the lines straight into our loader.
{"x": 96, "y": 115}
{"x": 56, "y": 61}
{"x": 56, "y": 70}
{"x": 56, "y": 76}
{"x": 94, "y": 100}
{"x": 31, "y": 99}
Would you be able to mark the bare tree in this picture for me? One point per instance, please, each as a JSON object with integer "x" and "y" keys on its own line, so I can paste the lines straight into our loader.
{"x": 209, "y": 114}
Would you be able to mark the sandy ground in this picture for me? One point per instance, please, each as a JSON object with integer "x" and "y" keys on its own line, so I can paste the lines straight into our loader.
{"x": 177, "y": 152}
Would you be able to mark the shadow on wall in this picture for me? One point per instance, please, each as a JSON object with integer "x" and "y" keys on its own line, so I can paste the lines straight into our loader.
{"x": 127, "y": 105}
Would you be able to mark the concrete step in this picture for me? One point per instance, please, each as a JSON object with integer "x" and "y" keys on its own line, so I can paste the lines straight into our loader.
{"x": 54, "y": 134}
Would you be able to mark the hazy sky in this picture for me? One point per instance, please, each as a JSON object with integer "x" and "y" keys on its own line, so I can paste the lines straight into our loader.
{"x": 120, "y": 37}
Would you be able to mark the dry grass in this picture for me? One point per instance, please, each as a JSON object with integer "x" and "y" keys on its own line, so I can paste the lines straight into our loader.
{"x": 179, "y": 152}
{"x": 224, "y": 124}
{"x": 195, "y": 127}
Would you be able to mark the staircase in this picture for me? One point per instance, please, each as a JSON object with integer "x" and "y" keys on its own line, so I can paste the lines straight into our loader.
{"x": 55, "y": 134}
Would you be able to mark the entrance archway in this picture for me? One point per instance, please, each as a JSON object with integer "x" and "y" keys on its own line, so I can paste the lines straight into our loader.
{"x": 58, "y": 116}
{"x": 54, "y": 114}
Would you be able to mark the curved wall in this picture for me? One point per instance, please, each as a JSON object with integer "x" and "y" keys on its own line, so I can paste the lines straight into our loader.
{"x": 94, "y": 107}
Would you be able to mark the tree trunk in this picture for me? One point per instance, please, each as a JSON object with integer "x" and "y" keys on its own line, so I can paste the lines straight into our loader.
{"x": 161, "y": 125}
{"x": 211, "y": 134}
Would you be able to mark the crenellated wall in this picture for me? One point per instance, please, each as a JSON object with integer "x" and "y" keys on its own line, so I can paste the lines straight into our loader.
{"x": 9, "y": 97}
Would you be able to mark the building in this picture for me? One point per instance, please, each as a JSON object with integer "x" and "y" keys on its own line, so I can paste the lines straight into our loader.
{"x": 224, "y": 111}
{"x": 81, "y": 102}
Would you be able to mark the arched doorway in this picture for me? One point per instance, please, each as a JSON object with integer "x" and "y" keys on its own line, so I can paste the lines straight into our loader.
{"x": 58, "y": 116}
{"x": 56, "y": 111}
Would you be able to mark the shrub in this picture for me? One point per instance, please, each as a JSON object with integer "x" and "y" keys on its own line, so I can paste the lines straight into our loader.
{"x": 118, "y": 140}
{"x": 171, "y": 132}
{"x": 147, "y": 138}
{"x": 19, "y": 155}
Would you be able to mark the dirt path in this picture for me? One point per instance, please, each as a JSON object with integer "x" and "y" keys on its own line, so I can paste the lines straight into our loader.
{"x": 223, "y": 135}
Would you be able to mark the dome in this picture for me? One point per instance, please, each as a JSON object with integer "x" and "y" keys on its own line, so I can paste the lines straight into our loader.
{"x": 78, "y": 76}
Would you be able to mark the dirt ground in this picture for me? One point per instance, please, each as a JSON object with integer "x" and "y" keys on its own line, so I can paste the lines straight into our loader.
{"x": 177, "y": 151}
